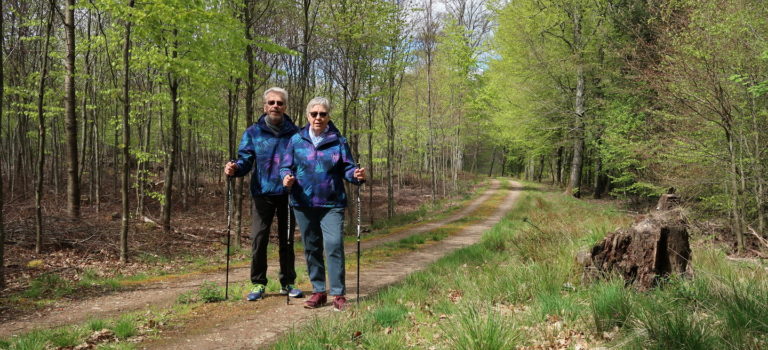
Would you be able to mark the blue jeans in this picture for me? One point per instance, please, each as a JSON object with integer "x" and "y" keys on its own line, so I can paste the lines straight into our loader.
{"x": 321, "y": 230}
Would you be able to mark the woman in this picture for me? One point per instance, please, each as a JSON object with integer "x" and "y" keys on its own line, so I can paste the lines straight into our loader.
{"x": 314, "y": 164}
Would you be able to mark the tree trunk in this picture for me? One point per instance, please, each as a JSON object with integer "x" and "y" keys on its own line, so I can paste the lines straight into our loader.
{"x": 126, "y": 139}
{"x": 493, "y": 161}
{"x": 574, "y": 183}
{"x": 41, "y": 137}
{"x": 2, "y": 95}
{"x": 73, "y": 182}
{"x": 173, "y": 83}
{"x": 737, "y": 227}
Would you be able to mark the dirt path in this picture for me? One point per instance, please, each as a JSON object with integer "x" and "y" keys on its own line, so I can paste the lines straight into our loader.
{"x": 254, "y": 325}
{"x": 164, "y": 294}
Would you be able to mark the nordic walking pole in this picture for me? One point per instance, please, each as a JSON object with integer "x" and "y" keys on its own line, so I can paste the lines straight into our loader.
{"x": 288, "y": 237}
{"x": 229, "y": 230}
{"x": 359, "y": 215}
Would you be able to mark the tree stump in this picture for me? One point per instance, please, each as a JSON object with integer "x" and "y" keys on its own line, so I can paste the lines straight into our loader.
{"x": 655, "y": 247}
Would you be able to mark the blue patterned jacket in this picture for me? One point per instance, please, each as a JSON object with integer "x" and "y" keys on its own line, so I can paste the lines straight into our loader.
{"x": 319, "y": 171}
{"x": 260, "y": 145}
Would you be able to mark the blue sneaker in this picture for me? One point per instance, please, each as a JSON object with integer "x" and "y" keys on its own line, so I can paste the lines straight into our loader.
{"x": 292, "y": 291}
{"x": 257, "y": 292}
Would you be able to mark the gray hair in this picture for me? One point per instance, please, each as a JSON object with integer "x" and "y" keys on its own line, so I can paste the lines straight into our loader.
{"x": 319, "y": 101}
{"x": 276, "y": 90}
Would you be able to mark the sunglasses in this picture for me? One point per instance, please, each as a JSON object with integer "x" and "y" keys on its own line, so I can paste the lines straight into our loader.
{"x": 272, "y": 103}
{"x": 318, "y": 114}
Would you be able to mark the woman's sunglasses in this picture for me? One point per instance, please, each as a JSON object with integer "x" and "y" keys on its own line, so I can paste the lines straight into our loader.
{"x": 320, "y": 114}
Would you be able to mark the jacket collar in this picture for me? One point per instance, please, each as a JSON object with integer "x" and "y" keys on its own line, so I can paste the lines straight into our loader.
{"x": 332, "y": 135}
{"x": 287, "y": 128}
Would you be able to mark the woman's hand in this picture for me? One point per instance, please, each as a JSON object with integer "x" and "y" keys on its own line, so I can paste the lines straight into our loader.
{"x": 288, "y": 180}
{"x": 359, "y": 174}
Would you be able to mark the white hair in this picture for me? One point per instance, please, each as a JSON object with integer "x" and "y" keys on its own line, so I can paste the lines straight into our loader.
{"x": 276, "y": 90}
{"x": 322, "y": 101}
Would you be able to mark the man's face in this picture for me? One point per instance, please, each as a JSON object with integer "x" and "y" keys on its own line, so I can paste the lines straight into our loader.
{"x": 274, "y": 106}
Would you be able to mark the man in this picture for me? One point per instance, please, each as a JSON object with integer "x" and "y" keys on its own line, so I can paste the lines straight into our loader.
{"x": 263, "y": 144}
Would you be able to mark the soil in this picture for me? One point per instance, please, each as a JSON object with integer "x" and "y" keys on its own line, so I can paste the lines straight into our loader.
{"x": 162, "y": 294}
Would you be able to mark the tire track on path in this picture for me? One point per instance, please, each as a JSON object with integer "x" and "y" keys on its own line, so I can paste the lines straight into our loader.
{"x": 248, "y": 327}
{"x": 164, "y": 294}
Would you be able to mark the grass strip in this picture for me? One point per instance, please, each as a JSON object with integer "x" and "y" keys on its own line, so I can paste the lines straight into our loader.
{"x": 520, "y": 287}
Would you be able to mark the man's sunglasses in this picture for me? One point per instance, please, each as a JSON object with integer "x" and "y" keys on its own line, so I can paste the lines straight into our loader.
{"x": 316, "y": 114}
{"x": 272, "y": 103}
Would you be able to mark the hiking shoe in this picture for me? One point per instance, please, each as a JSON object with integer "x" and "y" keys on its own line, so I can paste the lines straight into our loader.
{"x": 316, "y": 300}
{"x": 257, "y": 292}
{"x": 292, "y": 291}
{"x": 339, "y": 303}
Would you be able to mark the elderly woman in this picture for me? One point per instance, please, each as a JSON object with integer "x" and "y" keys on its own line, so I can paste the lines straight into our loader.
{"x": 314, "y": 164}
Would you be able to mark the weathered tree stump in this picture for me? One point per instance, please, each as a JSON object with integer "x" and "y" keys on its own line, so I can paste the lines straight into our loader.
{"x": 654, "y": 247}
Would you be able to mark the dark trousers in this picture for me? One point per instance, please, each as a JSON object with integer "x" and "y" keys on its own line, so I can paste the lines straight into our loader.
{"x": 263, "y": 210}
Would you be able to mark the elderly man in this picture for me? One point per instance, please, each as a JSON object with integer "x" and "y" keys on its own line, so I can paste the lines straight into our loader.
{"x": 263, "y": 144}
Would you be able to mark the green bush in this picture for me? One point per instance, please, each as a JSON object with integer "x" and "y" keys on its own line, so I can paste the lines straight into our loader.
{"x": 209, "y": 292}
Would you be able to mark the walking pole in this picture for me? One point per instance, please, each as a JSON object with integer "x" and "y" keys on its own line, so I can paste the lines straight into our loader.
{"x": 288, "y": 242}
{"x": 229, "y": 229}
{"x": 359, "y": 214}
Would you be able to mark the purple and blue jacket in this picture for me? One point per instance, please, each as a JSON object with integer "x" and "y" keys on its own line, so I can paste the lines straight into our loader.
{"x": 319, "y": 171}
{"x": 261, "y": 145}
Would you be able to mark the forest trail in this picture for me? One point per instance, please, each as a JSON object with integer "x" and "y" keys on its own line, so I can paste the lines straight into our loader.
{"x": 164, "y": 294}
{"x": 246, "y": 325}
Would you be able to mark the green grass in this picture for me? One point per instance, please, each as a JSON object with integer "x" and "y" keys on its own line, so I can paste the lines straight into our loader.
{"x": 124, "y": 327}
{"x": 521, "y": 286}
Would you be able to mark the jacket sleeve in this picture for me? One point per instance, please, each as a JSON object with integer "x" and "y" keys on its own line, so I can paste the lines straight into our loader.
{"x": 246, "y": 155}
{"x": 286, "y": 162}
{"x": 349, "y": 163}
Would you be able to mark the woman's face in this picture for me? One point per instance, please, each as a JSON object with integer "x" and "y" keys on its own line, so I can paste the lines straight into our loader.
{"x": 318, "y": 118}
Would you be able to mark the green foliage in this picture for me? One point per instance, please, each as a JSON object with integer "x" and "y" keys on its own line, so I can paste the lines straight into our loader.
{"x": 65, "y": 338}
{"x": 476, "y": 328}
{"x": 210, "y": 292}
{"x": 611, "y": 305}
{"x": 125, "y": 327}
{"x": 48, "y": 285}
{"x": 669, "y": 327}
{"x": 35, "y": 340}
{"x": 96, "y": 324}
{"x": 389, "y": 315}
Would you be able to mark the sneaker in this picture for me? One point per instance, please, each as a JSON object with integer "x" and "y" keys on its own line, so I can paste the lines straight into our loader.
{"x": 316, "y": 300}
{"x": 257, "y": 292}
{"x": 292, "y": 291}
{"x": 339, "y": 303}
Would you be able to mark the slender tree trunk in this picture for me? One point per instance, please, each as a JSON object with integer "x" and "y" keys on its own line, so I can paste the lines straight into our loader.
{"x": 2, "y": 96}
{"x": 41, "y": 136}
{"x": 493, "y": 161}
{"x": 250, "y": 87}
{"x": 173, "y": 83}
{"x": 126, "y": 139}
{"x": 574, "y": 183}
{"x": 73, "y": 182}
{"x": 738, "y": 228}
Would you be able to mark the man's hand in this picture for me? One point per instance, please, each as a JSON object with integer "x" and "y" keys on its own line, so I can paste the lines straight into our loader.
{"x": 288, "y": 180}
{"x": 359, "y": 174}
{"x": 230, "y": 168}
